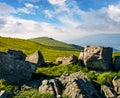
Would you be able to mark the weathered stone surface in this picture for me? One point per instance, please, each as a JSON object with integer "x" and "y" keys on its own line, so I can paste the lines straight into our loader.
{"x": 6, "y": 94}
{"x": 66, "y": 60}
{"x": 81, "y": 56}
{"x": 117, "y": 63}
{"x": 108, "y": 92}
{"x": 97, "y": 57}
{"x": 14, "y": 70}
{"x": 116, "y": 84}
{"x": 46, "y": 87}
{"x": 17, "y": 54}
{"x": 51, "y": 86}
{"x": 36, "y": 58}
{"x": 77, "y": 85}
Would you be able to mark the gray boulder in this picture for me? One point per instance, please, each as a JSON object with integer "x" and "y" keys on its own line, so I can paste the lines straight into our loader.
{"x": 117, "y": 63}
{"x": 46, "y": 87}
{"x": 6, "y": 94}
{"x": 66, "y": 60}
{"x": 77, "y": 85}
{"x": 36, "y": 58}
{"x": 97, "y": 57}
{"x": 14, "y": 70}
{"x": 16, "y": 54}
{"x": 116, "y": 84}
{"x": 51, "y": 86}
{"x": 108, "y": 92}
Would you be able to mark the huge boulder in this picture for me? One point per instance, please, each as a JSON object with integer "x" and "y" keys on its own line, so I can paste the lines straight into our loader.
{"x": 36, "y": 58}
{"x": 66, "y": 60}
{"x": 116, "y": 84}
{"x": 97, "y": 57}
{"x": 77, "y": 85}
{"x": 117, "y": 63}
{"x": 14, "y": 70}
{"x": 16, "y": 54}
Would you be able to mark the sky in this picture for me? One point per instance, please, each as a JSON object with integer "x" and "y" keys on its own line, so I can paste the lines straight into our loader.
{"x": 59, "y": 19}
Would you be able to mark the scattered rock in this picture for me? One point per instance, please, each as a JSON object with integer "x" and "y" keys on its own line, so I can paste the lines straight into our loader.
{"x": 25, "y": 88}
{"x": 116, "y": 84}
{"x": 16, "y": 54}
{"x": 97, "y": 57}
{"x": 66, "y": 60}
{"x": 36, "y": 58}
{"x": 15, "y": 71}
{"x": 51, "y": 86}
{"x": 46, "y": 87}
{"x": 108, "y": 92}
{"x": 77, "y": 85}
{"x": 117, "y": 63}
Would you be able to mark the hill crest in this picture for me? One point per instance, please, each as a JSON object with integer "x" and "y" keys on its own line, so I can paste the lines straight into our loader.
{"x": 55, "y": 44}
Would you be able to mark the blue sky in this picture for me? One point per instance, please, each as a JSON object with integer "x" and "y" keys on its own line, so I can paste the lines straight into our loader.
{"x": 59, "y": 19}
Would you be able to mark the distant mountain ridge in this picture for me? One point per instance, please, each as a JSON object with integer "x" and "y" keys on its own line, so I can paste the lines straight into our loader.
{"x": 55, "y": 44}
{"x": 107, "y": 40}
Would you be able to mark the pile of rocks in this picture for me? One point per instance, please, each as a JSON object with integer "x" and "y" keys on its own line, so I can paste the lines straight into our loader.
{"x": 76, "y": 85}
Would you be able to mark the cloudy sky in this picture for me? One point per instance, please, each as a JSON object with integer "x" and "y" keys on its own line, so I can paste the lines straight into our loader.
{"x": 59, "y": 19}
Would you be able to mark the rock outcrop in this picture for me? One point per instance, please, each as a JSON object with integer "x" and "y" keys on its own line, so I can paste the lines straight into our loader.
{"x": 50, "y": 86}
{"x": 97, "y": 57}
{"x": 116, "y": 84}
{"x": 66, "y": 60}
{"x": 117, "y": 63}
{"x": 36, "y": 58}
{"x": 77, "y": 85}
{"x": 14, "y": 69}
{"x": 108, "y": 92}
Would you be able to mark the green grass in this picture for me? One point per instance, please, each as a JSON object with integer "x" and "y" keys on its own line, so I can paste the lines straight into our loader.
{"x": 49, "y": 54}
{"x": 56, "y": 44}
{"x": 33, "y": 93}
{"x": 29, "y": 47}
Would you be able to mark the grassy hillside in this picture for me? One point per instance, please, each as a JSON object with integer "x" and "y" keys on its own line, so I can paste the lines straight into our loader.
{"x": 30, "y": 47}
{"x": 56, "y": 44}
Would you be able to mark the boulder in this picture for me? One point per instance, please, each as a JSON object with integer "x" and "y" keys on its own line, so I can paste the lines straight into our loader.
{"x": 6, "y": 94}
{"x": 15, "y": 71}
{"x": 97, "y": 57}
{"x": 46, "y": 87}
{"x": 16, "y": 54}
{"x": 117, "y": 63}
{"x": 77, "y": 85}
{"x": 36, "y": 58}
{"x": 51, "y": 86}
{"x": 108, "y": 92}
{"x": 66, "y": 60}
{"x": 116, "y": 84}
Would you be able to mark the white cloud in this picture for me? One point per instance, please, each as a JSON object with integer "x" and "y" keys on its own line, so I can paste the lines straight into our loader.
{"x": 29, "y": 5}
{"x": 114, "y": 12}
{"x": 6, "y": 9}
{"x": 48, "y": 13}
{"x": 21, "y": 28}
{"x": 57, "y": 2}
{"x": 28, "y": 9}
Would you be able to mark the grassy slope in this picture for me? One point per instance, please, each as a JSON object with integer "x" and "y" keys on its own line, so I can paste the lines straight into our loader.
{"x": 56, "y": 44}
{"x": 30, "y": 47}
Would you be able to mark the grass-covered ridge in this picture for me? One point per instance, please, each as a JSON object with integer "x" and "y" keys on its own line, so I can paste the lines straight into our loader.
{"x": 55, "y": 44}
{"x": 29, "y": 47}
